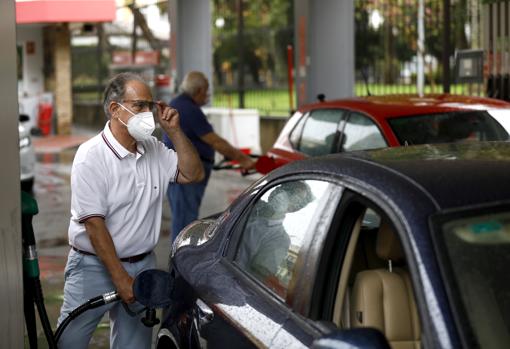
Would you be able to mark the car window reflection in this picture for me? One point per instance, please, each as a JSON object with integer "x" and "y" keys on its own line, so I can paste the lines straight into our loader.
{"x": 320, "y": 132}
{"x": 361, "y": 133}
{"x": 275, "y": 230}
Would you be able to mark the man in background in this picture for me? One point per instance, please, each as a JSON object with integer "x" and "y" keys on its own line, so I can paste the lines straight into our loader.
{"x": 185, "y": 200}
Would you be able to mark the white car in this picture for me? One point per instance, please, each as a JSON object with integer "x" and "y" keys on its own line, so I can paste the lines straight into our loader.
{"x": 26, "y": 156}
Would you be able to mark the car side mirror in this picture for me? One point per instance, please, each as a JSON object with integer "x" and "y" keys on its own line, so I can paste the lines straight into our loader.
{"x": 24, "y": 117}
{"x": 356, "y": 338}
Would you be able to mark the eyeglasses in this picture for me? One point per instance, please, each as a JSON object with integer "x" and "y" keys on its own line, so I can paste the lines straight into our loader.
{"x": 138, "y": 105}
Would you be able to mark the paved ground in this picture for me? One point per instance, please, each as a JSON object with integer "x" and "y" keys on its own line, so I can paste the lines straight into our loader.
{"x": 53, "y": 193}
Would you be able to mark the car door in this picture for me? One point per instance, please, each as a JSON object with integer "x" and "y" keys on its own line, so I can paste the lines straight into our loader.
{"x": 274, "y": 245}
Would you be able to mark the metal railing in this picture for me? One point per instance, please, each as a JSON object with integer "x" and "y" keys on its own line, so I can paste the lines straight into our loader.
{"x": 391, "y": 55}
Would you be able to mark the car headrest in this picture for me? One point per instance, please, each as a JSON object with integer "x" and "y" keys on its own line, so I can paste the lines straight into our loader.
{"x": 388, "y": 244}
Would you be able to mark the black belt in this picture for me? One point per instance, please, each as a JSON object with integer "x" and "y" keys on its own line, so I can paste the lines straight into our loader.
{"x": 209, "y": 161}
{"x": 132, "y": 259}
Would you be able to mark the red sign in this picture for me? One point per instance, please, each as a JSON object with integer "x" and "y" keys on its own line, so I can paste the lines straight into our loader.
{"x": 51, "y": 11}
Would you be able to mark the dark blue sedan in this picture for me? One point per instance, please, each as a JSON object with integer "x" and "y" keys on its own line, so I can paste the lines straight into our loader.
{"x": 404, "y": 247}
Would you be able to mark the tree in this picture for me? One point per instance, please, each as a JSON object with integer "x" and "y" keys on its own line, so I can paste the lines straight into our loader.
{"x": 267, "y": 32}
{"x": 394, "y": 41}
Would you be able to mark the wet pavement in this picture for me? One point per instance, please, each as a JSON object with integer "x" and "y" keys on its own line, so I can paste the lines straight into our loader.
{"x": 53, "y": 194}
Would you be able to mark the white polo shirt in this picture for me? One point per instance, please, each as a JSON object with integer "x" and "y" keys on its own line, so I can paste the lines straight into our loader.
{"x": 127, "y": 190}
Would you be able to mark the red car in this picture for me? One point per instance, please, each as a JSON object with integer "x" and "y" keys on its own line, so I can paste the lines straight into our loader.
{"x": 389, "y": 121}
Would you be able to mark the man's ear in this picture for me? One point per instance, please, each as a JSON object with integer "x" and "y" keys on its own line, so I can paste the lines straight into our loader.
{"x": 113, "y": 107}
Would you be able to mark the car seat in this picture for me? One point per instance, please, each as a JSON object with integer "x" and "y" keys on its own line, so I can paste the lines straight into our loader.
{"x": 383, "y": 298}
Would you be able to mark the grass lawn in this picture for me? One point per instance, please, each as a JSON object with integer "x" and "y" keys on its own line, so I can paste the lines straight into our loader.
{"x": 381, "y": 89}
{"x": 269, "y": 102}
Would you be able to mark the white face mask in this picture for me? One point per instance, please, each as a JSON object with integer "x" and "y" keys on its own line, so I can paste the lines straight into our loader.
{"x": 141, "y": 125}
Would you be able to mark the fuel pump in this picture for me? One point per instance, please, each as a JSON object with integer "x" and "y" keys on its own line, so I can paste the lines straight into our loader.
{"x": 32, "y": 290}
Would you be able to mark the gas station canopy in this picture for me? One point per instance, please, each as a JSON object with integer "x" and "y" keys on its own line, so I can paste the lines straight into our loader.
{"x": 51, "y": 11}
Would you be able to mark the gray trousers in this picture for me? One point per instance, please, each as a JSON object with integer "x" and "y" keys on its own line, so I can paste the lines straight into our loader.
{"x": 85, "y": 278}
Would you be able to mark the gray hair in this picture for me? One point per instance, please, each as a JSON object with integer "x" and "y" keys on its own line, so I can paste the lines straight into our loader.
{"x": 116, "y": 88}
{"x": 192, "y": 82}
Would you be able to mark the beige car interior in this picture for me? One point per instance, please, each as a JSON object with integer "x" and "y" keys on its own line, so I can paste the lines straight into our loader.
{"x": 375, "y": 288}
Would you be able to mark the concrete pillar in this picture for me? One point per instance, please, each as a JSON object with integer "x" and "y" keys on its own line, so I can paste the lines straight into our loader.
{"x": 190, "y": 39}
{"x": 63, "y": 87}
{"x": 11, "y": 291}
{"x": 324, "y": 49}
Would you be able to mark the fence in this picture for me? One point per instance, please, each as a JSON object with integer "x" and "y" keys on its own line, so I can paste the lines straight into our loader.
{"x": 250, "y": 40}
{"x": 250, "y": 62}
{"x": 269, "y": 101}
{"x": 496, "y": 44}
{"x": 389, "y": 49}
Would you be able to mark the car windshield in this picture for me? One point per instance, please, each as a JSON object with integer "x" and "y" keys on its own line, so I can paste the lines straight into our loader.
{"x": 478, "y": 254}
{"x": 474, "y": 125}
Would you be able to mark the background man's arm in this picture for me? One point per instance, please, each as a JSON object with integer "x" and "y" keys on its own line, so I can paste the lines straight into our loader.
{"x": 105, "y": 250}
{"x": 226, "y": 149}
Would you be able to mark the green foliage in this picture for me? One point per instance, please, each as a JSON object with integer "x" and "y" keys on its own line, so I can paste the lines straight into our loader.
{"x": 267, "y": 32}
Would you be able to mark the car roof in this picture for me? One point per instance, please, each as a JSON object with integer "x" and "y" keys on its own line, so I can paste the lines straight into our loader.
{"x": 383, "y": 107}
{"x": 450, "y": 175}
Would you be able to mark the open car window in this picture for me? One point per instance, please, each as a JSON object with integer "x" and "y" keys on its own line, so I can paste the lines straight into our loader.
{"x": 373, "y": 288}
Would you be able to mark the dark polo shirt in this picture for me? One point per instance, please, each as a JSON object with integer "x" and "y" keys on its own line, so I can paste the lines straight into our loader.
{"x": 194, "y": 124}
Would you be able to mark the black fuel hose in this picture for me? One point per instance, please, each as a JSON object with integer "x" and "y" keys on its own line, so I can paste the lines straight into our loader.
{"x": 90, "y": 304}
{"x": 39, "y": 302}
{"x": 32, "y": 288}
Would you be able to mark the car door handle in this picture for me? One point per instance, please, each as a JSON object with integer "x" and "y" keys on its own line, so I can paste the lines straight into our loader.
{"x": 205, "y": 314}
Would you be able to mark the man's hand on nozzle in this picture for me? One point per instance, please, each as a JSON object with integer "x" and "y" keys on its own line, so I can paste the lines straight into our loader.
{"x": 246, "y": 162}
{"x": 125, "y": 289}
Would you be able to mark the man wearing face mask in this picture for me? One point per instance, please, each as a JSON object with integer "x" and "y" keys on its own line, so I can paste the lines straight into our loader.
{"x": 265, "y": 242}
{"x": 185, "y": 200}
{"x": 118, "y": 180}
